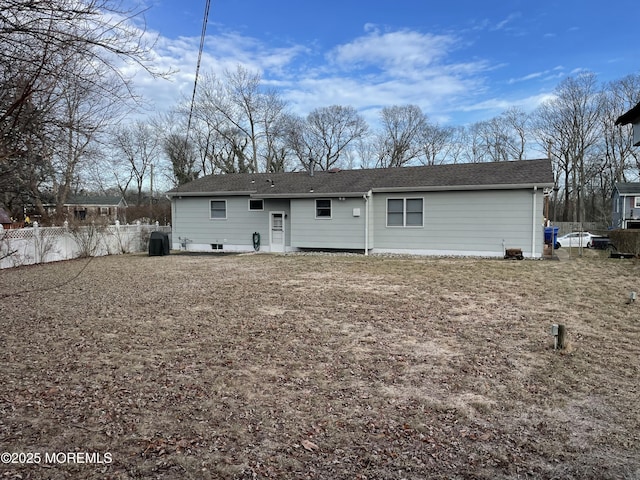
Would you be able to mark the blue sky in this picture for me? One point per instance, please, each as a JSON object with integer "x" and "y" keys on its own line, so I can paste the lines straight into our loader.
{"x": 460, "y": 61}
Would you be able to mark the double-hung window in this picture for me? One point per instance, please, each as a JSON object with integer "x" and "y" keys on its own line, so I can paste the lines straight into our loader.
{"x": 323, "y": 208}
{"x": 405, "y": 212}
{"x": 218, "y": 209}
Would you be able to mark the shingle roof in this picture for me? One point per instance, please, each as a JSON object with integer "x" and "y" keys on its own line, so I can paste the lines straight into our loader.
{"x": 628, "y": 188}
{"x": 632, "y": 116}
{"x": 436, "y": 177}
{"x": 96, "y": 200}
{"x": 4, "y": 216}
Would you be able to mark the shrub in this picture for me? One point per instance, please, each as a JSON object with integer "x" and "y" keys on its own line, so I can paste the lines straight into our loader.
{"x": 626, "y": 241}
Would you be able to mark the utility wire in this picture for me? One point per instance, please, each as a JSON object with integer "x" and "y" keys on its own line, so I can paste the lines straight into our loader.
{"x": 203, "y": 35}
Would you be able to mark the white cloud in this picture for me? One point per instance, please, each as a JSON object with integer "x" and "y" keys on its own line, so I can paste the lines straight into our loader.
{"x": 374, "y": 70}
{"x": 400, "y": 50}
{"x": 549, "y": 74}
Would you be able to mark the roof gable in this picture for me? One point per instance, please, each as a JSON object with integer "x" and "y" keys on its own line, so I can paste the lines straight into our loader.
{"x": 632, "y": 116}
{"x": 4, "y": 216}
{"x": 95, "y": 200}
{"x": 355, "y": 182}
{"x": 628, "y": 188}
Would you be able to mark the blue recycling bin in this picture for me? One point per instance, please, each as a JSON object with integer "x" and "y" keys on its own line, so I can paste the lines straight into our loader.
{"x": 551, "y": 235}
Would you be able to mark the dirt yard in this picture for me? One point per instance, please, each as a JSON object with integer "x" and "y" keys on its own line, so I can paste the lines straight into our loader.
{"x": 323, "y": 367}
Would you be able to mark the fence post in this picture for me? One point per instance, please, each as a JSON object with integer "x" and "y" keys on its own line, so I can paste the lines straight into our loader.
{"x": 66, "y": 240}
{"x": 36, "y": 241}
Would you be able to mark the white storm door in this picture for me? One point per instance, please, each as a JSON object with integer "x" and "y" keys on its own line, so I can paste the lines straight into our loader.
{"x": 276, "y": 231}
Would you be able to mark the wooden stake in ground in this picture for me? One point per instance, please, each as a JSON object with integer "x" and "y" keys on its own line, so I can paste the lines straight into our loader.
{"x": 562, "y": 336}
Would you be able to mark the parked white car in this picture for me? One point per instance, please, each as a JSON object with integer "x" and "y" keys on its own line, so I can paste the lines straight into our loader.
{"x": 575, "y": 239}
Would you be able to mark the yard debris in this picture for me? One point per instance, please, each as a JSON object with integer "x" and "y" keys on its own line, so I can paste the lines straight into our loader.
{"x": 308, "y": 445}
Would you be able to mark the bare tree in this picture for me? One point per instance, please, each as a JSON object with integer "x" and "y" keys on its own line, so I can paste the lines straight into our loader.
{"x": 436, "y": 143}
{"x": 137, "y": 148}
{"x": 400, "y": 140}
{"x": 324, "y": 137}
{"x": 83, "y": 112}
{"x": 570, "y": 125}
{"x": 239, "y": 123}
{"x": 46, "y": 48}
{"x": 519, "y": 123}
{"x": 502, "y": 138}
{"x": 619, "y": 96}
{"x": 182, "y": 156}
{"x": 179, "y": 150}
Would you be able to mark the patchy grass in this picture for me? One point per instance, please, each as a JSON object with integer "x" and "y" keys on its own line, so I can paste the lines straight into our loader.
{"x": 261, "y": 366}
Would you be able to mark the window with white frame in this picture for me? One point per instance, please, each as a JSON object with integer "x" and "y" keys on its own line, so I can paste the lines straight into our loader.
{"x": 323, "y": 208}
{"x": 256, "y": 204}
{"x": 405, "y": 212}
{"x": 218, "y": 209}
{"x": 636, "y": 203}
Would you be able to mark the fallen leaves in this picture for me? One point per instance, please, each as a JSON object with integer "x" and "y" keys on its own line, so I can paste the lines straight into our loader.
{"x": 309, "y": 445}
{"x": 299, "y": 375}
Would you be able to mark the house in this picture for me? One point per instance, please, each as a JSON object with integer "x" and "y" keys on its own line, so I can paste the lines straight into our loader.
{"x": 5, "y": 219}
{"x": 632, "y": 117}
{"x": 84, "y": 207}
{"x": 626, "y": 205}
{"x": 464, "y": 209}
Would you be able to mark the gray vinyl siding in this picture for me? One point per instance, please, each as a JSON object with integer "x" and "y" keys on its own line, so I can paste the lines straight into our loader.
{"x": 626, "y": 210}
{"x": 192, "y": 220}
{"x": 342, "y": 230}
{"x": 617, "y": 208}
{"x": 464, "y": 221}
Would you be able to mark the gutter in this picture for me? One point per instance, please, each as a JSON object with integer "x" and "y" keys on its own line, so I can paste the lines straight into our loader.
{"x": 208, "y": 194}
{"x": 533, "y": 222}
{"x": 448, "y": 188}
{"x": 310, "y": 195}
{"x": 367, "y": 197}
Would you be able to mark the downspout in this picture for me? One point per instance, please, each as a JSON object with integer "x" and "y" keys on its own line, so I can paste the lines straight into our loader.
{"x": 533, "y": 222}
{"x": 366, "y": 222}
{"x": 624, "y": 212}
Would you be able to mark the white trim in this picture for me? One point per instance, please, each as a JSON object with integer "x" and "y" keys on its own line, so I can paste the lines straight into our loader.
{"x": 208, "y": 194}
{"x": 534, "y": 219}
{"x": 284, "y": 232}
{"x": 255, "y": 200}
{"x": 225, "y": 209}
{"x": 404, "y": 212}
{"x": 315, "y": 204}
{"x": 447, "y": 188}
{"x": 367, "y": 201}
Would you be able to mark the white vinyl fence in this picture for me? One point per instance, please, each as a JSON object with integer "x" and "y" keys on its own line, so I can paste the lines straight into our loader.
{"x": 27, "y": 246}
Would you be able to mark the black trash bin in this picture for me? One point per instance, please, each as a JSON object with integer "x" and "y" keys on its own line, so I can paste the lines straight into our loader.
{"x": 159, "y": 243}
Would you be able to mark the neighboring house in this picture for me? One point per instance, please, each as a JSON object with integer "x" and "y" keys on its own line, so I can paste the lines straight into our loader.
{"x": 5, "y": 219}
{"x": 632, "y": 117}
{"x": 626, "y": 205}
{"x": 466, "y": 209}
{"x": 84, "y": 207}
{"x": 626, "y": 196}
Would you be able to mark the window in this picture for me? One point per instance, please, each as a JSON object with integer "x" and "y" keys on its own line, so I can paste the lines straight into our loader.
{"x": 636, "y": 203}
{"x": 395, "y": 212}
{"x": 256, "y": 205}
{"x": 405, "y": 212}
{"x": 323, "y": 208}
{"x": 218, "y": 209}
